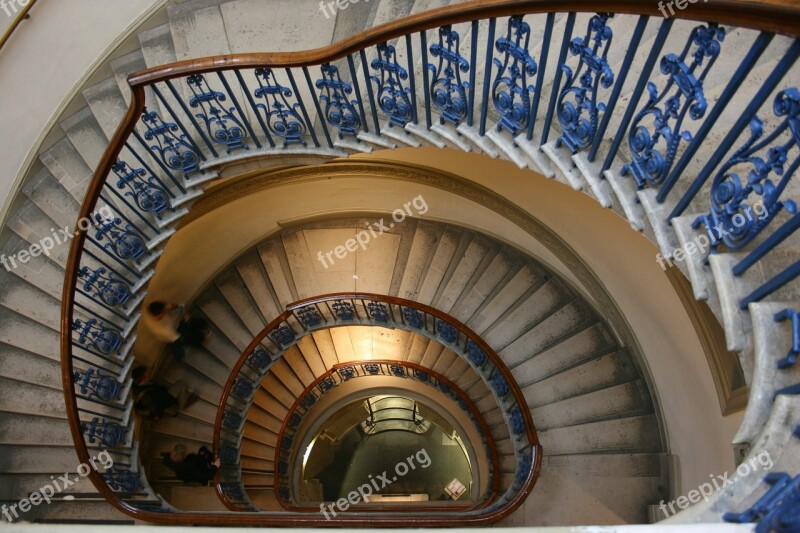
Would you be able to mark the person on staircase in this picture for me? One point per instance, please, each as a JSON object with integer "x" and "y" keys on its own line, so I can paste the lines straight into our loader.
{"x": 153, "y": 401}
{"x": 169, "y": 323}
{"x": 197, "y": 467}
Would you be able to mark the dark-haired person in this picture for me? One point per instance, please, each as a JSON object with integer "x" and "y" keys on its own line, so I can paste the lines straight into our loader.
{"x": 152, "y": 401}
{"x": 197, "y": 467}
{"x": 169, "y": 323}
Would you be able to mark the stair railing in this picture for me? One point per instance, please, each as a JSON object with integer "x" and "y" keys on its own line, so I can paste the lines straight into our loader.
{"x": 481, "y": 83}
{"x": 346, "y": 309}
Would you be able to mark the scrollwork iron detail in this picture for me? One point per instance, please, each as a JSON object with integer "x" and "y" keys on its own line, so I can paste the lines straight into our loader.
{"x": 511, "y": 92}
{"x": 283, "y": 117}
{"x": 105, "y": 287}
{"x": 340, "y": 111}
{"x": 393, "y": 97}
{"x": 174, "y": 149}
{"x": 734, "y": 219}
{"x": 581, "y": 88}
{"x": 448, "y": 91}
{"x": 221, "y": 123}
{"x": 654, "y": 149}
{"x": 147, "y": 193}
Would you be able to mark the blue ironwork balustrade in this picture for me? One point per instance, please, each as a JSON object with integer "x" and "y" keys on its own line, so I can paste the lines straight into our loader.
{"x": 581, "y": 88}
{"x": 654, "y": 148}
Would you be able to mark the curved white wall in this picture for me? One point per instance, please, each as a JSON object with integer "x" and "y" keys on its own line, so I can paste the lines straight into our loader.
{"x": 46, "y": 59}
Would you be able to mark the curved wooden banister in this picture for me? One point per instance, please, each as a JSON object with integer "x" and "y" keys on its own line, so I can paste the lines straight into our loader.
{"x": 484, "y": 428}
{"x": 779, "y": 16}
{"x": 391, "y": 300}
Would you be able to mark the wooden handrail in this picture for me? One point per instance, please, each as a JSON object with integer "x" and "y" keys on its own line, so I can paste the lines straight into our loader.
{"x": 779, "y": 16}
{"x": 22, "y": 15}
{"x": 473, "y": 409}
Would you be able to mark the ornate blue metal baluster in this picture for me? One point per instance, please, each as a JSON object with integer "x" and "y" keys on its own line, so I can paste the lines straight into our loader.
{"x": 353, "y": 76}
{"x": 107, "y": 433}
{"x": 320, "y": 116}
{"x": 309, "y": 316}
{"x": 259, "y": 360}
{"x": 487, "y": 75}
{"x": 724, "y": 99}
{"x": 377, "y": 312}
{"x": 475, "y": 354}
{"x": 105, "y": 288}
{"x": 253, "y": 106}
{"x": 220, "y": 121}
{"x": 446, "y": 331}
{"x": 309, "y": 125}
{"x": 511, "y": 92}
{"x": 282, "y": 117}
{"x": 633, "y": 50}
{"x": 124, "y": 242}
{"x": 228, "y": 454}
{"x": 340, "y": 112}
{"x": 95, "y": 336}
{"x": 109, "y": 186}
{"x": 283, "y": 336}
{"x": 393, "y": 96}
{"x": 150, "y": 172}
{"x": 122, "y": 480}
{"x": 412, "y": 317}
{"x": 537, "y": 96}
{"x": 343, "y": 310}
{"x": 187, "y": 111}
{"x": 242, "y": 388}
{"x": 769, "y": 85}
{"x": 732, "y": 220}
{"x": 347, "y": 372}
{"x": 412, "y": 82}
{"x": 581, "y": 88}
{"x": 174, "y": 150}
{"x": 232, "y": 420}
{"x": 93, "y": 383}
{"x": 235, "y": 102}
{"x": 448, "y": 91}
{"x": 654, "y": 150}
{"x": 370, "y": 93}
{"x": 473, "y": 60}
{"x": 555, "y": 91}
{"x": 156, "y": 156}
{"x": 644, "y": 75}
{"x": 179, "y": 99}
{"x": 148, "y": 193}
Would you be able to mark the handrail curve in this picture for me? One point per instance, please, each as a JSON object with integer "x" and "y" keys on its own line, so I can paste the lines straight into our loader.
{"x": 771, "y": 16}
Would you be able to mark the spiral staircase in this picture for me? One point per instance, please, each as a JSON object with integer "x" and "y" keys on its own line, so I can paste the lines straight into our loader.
{"x": 571, "y": 360}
